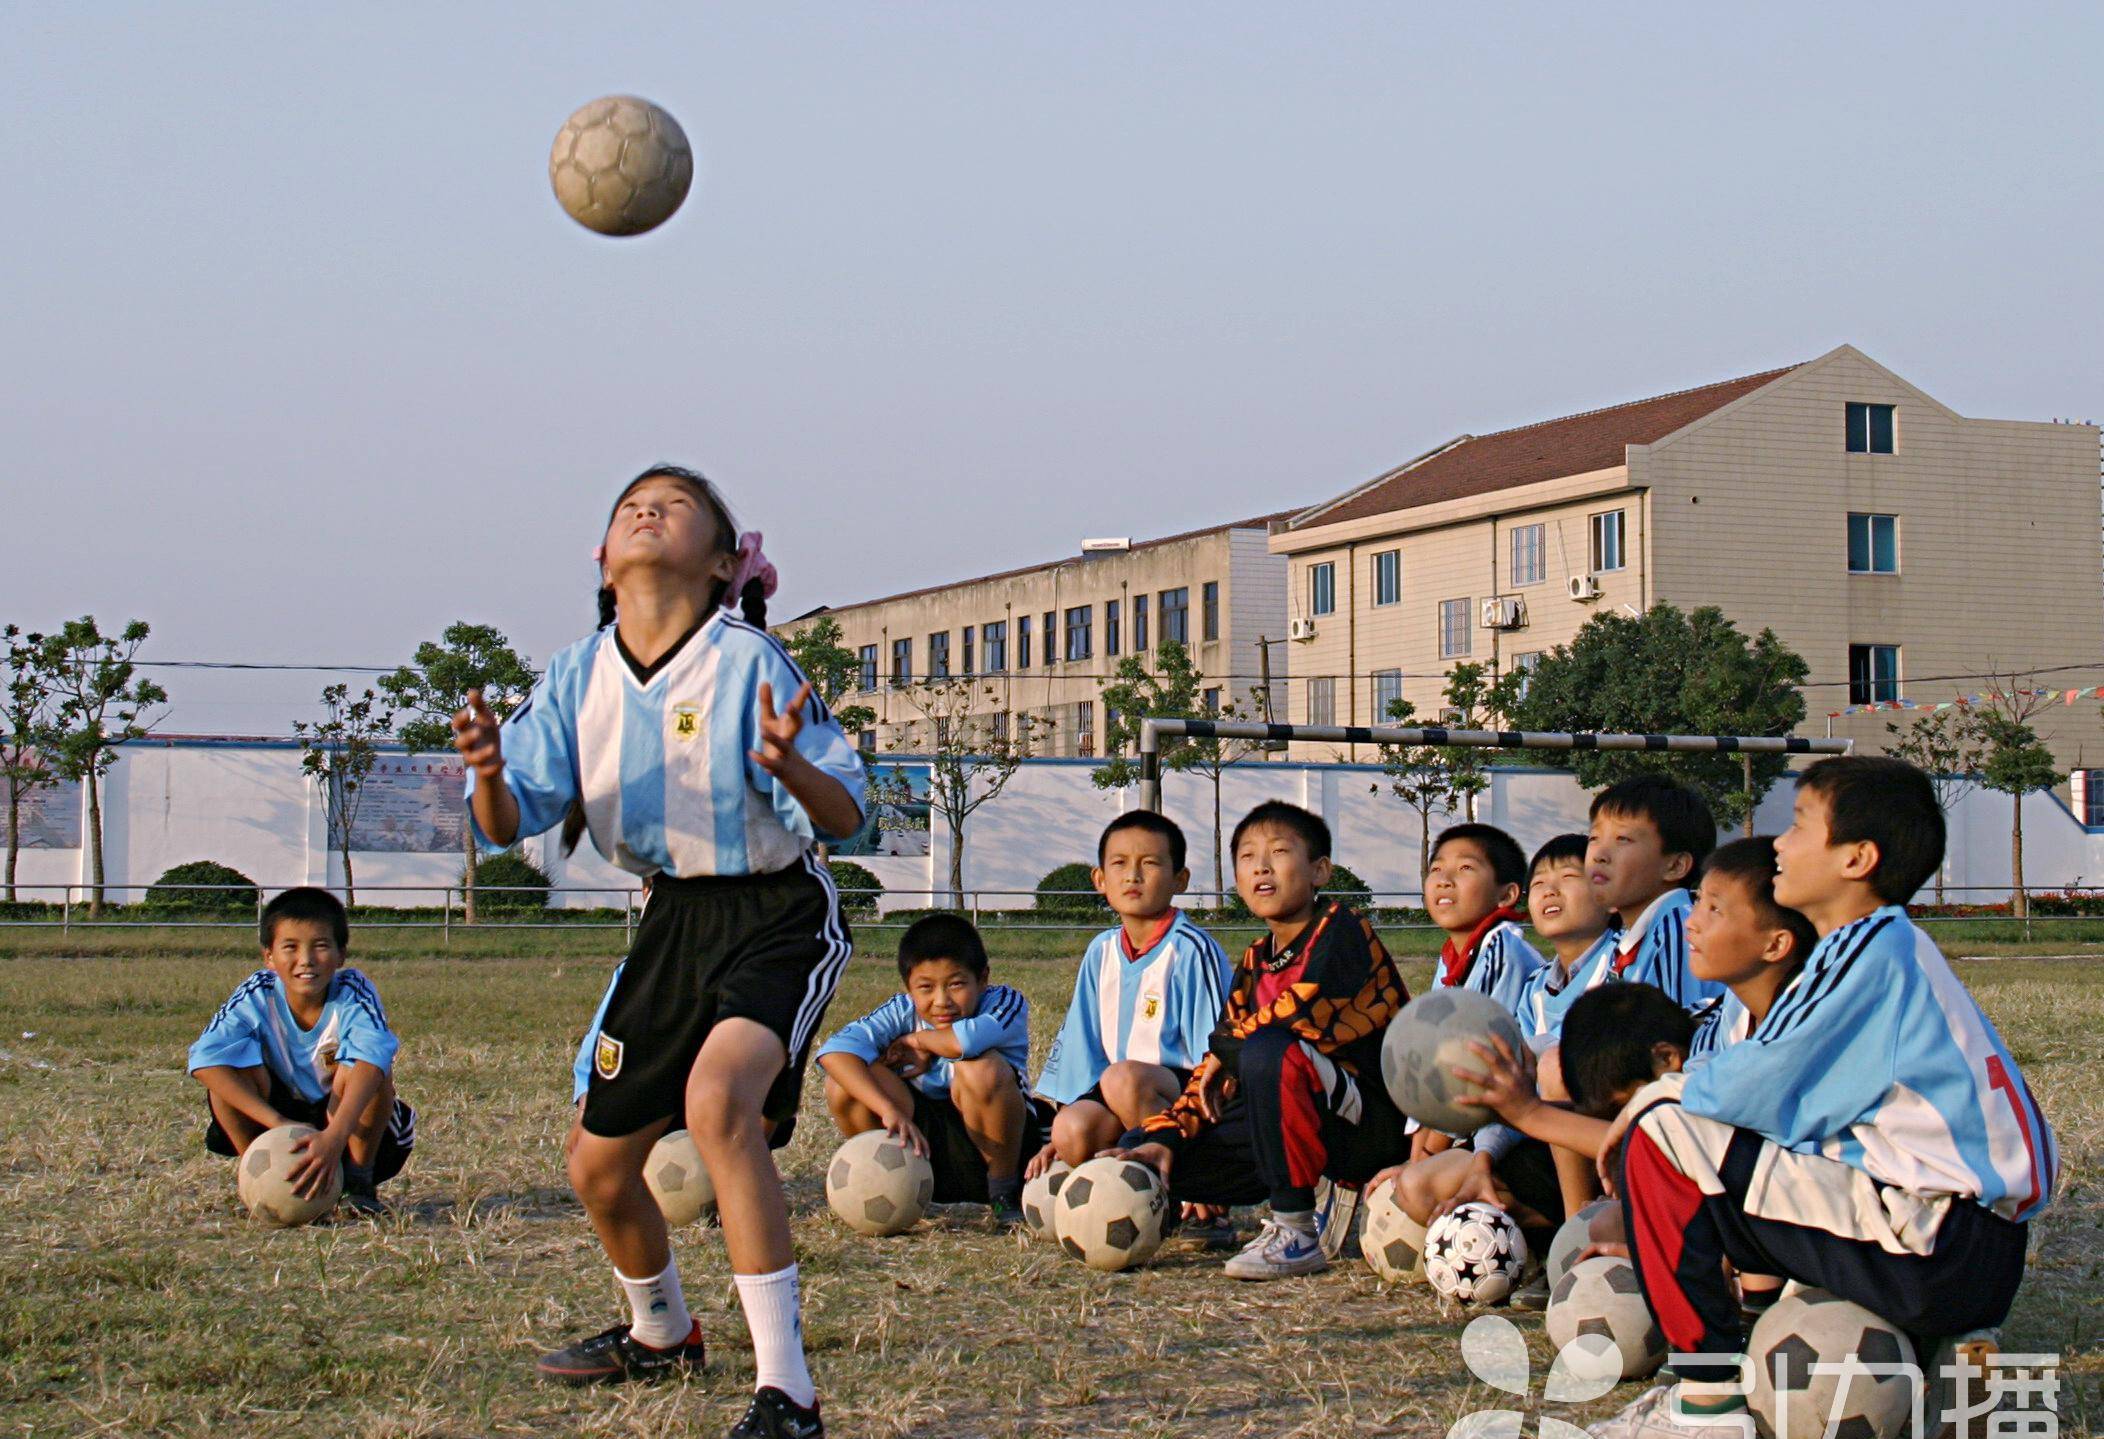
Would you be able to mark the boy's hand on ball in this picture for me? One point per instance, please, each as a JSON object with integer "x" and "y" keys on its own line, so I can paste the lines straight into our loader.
{"x": 899, "y": 1125}
{"x": 317, "y": 1155}
{"x": 1157, "y": 1157}
{"x": 779, "y": 729}
{"x": 1477, "y": 1187}
{"x": 1504, "y": 1082}
{"x": 1039, "y": 1162}
{"x": 476, "y": 737}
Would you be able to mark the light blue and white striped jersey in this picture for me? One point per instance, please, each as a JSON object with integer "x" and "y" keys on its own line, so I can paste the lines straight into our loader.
{"x": 1654, "y": 950}
{"x": 1719, "y": 1024}
{"x": 256, "y": 1026}
{"x": 1158, "y": 1007}
{"x": 1876, "y": 1055}
{"x": 1001, "y": 1025}
{"x": 581, "y": 1067}
{"x": 1549, "y": 993}
{"x": 661, "y": 756}
{"x": 1500, "y": 968}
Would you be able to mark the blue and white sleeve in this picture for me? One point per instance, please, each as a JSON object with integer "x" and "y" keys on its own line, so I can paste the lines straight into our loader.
{"x": 1003, "y": 1023}
{"x": 868, "y": 1037}
{"x": 1198, "y": 981}
{"x": 366, "y": 1036}
{"x": 1077, "y": 1060}
{"x": 1501, "y": 969}
{"x": 821, "y": 741}
{"x": 540, "y": 757}
{"x": 581, "y": 1067}
{"x": 233, "y": 1037}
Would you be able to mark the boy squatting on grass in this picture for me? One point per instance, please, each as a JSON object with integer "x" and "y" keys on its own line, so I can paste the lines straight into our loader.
{"x": 304, "y": 1040}
{"x": 942, "y": 1067}
{"x": 1289, "y": 1093}
{"x": 1871, "y": 1136}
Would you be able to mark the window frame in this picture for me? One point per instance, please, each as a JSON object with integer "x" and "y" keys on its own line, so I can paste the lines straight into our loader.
{"x": 1322, "y": 700}
{"x": 939, "y": 655}
{"x": 1861, "y": 423}
{"x": 1112, "y": 613}
{"x": 1209, "y": 611}
{"x": 866, "y": 671}
{"x": 1049, "y": 649}
{"x": 1022, "y": 642}
{"x": 1391, "y": 681}
{"x": 902, "y": 662}
{"x": 1139, "y": 624}
{"x": 993, "y": 646}
{"x": 1322, "y": 588}
{"x": 1536, "y": 571}
{"x": 1466, "y": 629}
{"x": 1597, "y": 525}
{"x": 1866, "y": 685}
{"x": 1079, "y": 633}
{"x": 1180, "y": 629}
{"x": 1870, "y": 542}
{"x": 1387, "y": 578}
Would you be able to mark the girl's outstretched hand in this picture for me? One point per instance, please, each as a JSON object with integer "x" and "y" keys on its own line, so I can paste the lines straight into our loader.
{"x": 779, "y": 729}
{"x": 475, "y": 735}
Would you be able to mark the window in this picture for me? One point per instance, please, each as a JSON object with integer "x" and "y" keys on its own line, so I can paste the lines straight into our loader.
{"x": 1212, "y": 700}
{"x": 1388, "y": 577}
{"x": 2088, "y": 785}
{"x": 1454, "y": 630}
{"x": 1869, "y": 429}
{"x": 1523, "y": 665}
{"x": 1176, "y": 616}
{"x": 868, "y": 676}
{"x": 1110, "y": 632}
{"x": 1085, "y": 728}
{"x": 1387, "y": 690}
{"x": 1322, "y": 701}
{"x": 866, "y": 741}
{"x": 1607, "y": 541}
{"x": 1873, "y": 545}
{"x": 1047, "y": 634}
{"x": 1873, "y": 674}
{"x": 901, "y": 662}
{"x": 1139, "y": 624}
{"x": 1080, "y": 639}
{"x": 1001, "y": 727}
{"x": 996, "y": 637}
{"x": 1022, "y": 643}
{"x": 1209, "y": 608}
{"x": 968, "y": 651}
{"x": 939, "y": 656}
{"x": 1322, "y": 588}
{"x": 1527, "y": 564}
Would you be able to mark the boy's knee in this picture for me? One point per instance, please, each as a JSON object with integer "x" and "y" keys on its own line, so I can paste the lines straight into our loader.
{"x": 598, "y": 1180}
{"x": 1131, "y": 1084}
{"x": 720, "y": 1112}
{"x": 984, "y": 1080}
{"x": 1074, "y": 1136}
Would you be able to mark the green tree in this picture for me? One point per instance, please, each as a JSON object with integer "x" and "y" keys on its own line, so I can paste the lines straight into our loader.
{"x": 835, "y": 671}
{"x": 2015, "y": 761}
{"x": 1174, "y": 689}
{"x": 337, "y": 752}
{"x": 1667, "y": 671}
{"x": 1945, "y": 745}
{"x": 28, "y": 732}
{"x": 972, "y": 755}
{"x": 100, "y": 703}
{"x": 434, "y": 687}
{"x": 1471, "y": 698}
{"x": 1421, "y": 776}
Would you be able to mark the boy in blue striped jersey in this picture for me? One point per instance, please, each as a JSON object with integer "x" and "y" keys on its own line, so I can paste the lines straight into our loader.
{"x": 304, "y": 1040}
{"x": 1649, "y": 838}
{"x": 1565, "y": 911}
{"x": 943, "y": 1067}
{"x": 1871, "y": 1136}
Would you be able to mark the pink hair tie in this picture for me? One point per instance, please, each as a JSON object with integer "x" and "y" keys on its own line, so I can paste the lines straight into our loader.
{"x": 599, "y": 554}
{"x": 752, "y": 565}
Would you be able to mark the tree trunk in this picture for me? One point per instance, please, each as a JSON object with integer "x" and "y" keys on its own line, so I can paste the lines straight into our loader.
{"x": 467, "y": 871}
{"x": 1746, "y": 780}
{"x": 94, "y": 843}
{"x": 14, "y": 840}
{"x": 956, "y": 861}
{"x": 2019, "y": 904}
{"x": 350, "y": 888}
{"x": 1424, "y": 853}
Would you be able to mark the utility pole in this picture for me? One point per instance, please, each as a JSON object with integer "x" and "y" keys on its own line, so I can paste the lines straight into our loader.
{"x": 1264, "y": 644}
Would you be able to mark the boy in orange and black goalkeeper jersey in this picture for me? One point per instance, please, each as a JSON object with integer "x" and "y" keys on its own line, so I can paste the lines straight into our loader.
{"x": 1289, "y": 1093}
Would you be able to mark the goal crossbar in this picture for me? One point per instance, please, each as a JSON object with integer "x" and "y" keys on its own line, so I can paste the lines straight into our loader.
{"x": 1154, "y": 728}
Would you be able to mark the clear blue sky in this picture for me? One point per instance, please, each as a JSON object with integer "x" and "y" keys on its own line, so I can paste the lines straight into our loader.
{"x": 302, "y": 361}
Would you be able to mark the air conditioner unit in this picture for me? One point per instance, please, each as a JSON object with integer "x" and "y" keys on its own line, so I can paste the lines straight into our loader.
{"x": 1504, "y": 612}
{"x": 1300, "y": 629}
{"x": 1585, "y": 587}
{"x": 1113, "y": 545}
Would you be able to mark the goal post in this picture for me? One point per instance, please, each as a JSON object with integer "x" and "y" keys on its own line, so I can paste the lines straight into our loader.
{"x": 1153, "y": 728}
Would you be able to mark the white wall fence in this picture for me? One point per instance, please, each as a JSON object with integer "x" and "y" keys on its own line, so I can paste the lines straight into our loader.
{"x": 245, "y": 803}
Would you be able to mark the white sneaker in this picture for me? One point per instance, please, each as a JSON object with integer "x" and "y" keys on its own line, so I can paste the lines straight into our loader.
{"x": 1278, "y": 1252}
{"x": 1654, "y": 1415}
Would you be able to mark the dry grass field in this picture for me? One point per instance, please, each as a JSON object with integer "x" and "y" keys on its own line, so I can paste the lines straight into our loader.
{"x": 137, "y": 1298}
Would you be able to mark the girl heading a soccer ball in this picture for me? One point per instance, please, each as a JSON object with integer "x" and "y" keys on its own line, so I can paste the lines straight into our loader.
{"x": 660, "y": 735}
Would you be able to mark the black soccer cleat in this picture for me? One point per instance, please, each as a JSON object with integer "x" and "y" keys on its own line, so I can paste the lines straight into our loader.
{"x": 774, "y": 1415}
{"x": 613, "y": 1354}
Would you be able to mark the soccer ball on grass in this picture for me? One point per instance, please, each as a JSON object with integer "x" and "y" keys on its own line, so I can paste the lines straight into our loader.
{"x": 264, "y": 1179}
{"x": 877, "y": 1185}
{"x": 1475, "y": 1254}
{"x": 1109, "y": 1213}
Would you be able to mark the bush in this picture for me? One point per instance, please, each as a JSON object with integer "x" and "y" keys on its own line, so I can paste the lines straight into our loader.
{"x": 510, "y": 881}
{"x": 1069, "y": 877}
{"x": 849, "y": 877}
{"x": 243, "y": 895}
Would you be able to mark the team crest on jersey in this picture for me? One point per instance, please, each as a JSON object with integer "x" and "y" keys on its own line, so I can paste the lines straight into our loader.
{"x": 1152, "y": 1006}
{"x": 606, "y": 1058}
{"x": 686, "y": 722}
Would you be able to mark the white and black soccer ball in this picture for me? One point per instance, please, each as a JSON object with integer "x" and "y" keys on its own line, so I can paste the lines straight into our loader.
{"x": 677, "y": 1179}
{"x": 1109, "y": 1213}
{"x": 1599, "y": 1306}
{"x": 1039, "y": 1212}
{"x": 621, "y": 165}
{"x": 1475, "y": 1254}
{"x": 1810, "y": 1326}
{"x": 877, "y": 1185}
{"x": 264, "y": 1179}
{"x": 1426, "y": 1039}
{"x": 1392, "y": 1242}
{"x": 1572, "y": 1236}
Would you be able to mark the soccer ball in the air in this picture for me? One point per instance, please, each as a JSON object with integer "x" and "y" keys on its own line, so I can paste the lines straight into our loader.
{"x": 265, "y": 1179}
{"x": 1600, "y": 1302}
{"x": 1571, "y": 1238}
{"x": 1432, "y": 1034}
{"x": 1109, "y": 1213}
{"x": 1810, "y": 1326}
{"x": 1475, "y": 1254}
{"x": 621, "y": 166}
{"x": 1393, "y": 1242}
{"x": 877, "y": 1185}
{"x": 1038, "y": 1196}
{"x": 677, "y": 1181}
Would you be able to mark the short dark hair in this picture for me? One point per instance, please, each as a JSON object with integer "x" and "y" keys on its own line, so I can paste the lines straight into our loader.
{"x": 1751, "y": 862}
{"x": 1889, "y": 803}
{"x": 1607, "y": 1040}
{"x": 309, "y": 903}
{"x": 1151, "y": 823}
{"x": 1680, "y": 815}
{"x": 1311, "y": 828}
{"x": 1508, "y": 862}
{"x": 942, "y": 936}
{"x": 1564, "y": 849}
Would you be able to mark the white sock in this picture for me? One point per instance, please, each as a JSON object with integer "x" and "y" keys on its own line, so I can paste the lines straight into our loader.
{"x": 658, "y": 1309}
{"x": 776, "y": 1320}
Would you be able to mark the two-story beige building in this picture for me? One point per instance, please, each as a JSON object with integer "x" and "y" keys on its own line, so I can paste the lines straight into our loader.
{"x": 1895, "y": 544}
{"x": 1039, "y": 641}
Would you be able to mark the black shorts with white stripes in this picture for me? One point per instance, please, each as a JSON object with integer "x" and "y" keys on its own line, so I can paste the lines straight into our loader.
{"x": 769, "y": 948}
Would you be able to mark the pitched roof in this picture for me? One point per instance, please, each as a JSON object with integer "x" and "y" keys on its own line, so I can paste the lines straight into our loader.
{"x": 1547, "y": 450}
{"x": 1260, "y": 522}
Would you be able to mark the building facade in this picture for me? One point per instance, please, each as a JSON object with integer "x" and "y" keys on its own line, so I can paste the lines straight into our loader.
{"x": 1040, "y": 641}
{"x": 1904, "y": 550}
